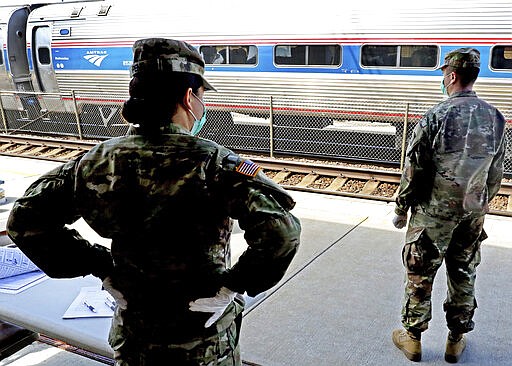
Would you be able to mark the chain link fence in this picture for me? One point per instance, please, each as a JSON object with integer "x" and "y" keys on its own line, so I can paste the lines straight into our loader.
{"x": 78, "y": 115}
{"x": 346, "y": 129}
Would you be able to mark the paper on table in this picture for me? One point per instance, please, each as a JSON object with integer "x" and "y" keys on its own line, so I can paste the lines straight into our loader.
{"x": 21, "y": 282}
{"x": 17, "y": 272}
{"x": 91, "y": 302}
{"x": 14, "y": 262}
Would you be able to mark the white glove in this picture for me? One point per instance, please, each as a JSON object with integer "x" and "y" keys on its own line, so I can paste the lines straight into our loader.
{"x": 250, "y": 301}
{"x": 400, "y": 221}
{"x": 216, "y": 305}
{"x": 117, "y": 295}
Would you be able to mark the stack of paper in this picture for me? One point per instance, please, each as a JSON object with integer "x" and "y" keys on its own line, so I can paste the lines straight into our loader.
{"x": 17, "y": 272}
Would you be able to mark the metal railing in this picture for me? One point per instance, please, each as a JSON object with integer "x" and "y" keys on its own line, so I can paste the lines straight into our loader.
{"x": 350, "y": 129}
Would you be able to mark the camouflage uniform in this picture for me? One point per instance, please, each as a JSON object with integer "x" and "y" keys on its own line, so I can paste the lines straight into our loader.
{"x": 167, "y": 203}
{"x": 453, "y": 169}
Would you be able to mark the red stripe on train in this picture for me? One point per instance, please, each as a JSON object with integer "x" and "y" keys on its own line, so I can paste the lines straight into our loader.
{"x": 472, "y": 41}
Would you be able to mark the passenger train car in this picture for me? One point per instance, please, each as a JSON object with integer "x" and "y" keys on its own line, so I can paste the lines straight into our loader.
{"x": 329, "y": 61}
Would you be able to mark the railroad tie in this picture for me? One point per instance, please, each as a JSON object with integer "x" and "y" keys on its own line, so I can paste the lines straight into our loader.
{"x": 6, "y": 147}
{"x": 20, "y": 148}
{"x": 307, "y": 180}
{"x": 337, "y": 183}
{"x": 37, "y": 150}
{"x": 57, "y": 151}
{"x": 72, "y": 154}
{"x": 509, "y": 203}
{"x": 370, "y": 186}
{"x": 282, "y": 175}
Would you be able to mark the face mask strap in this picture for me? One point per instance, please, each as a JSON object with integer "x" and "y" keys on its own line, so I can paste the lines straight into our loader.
{"x": 198, "y": 123}
{"x": 444, "y": 88}
{"x": 192, "y": 113}
{"x": 200, "y": 101}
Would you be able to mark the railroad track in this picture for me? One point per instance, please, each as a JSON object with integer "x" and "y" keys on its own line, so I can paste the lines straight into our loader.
{"x": 333, "y": 179}
{"x": 42, "y": 148}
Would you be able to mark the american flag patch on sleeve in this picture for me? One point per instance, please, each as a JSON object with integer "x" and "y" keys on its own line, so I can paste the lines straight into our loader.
{"x": 249, "y": 168}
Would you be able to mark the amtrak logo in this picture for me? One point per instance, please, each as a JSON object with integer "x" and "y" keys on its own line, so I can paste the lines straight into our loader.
{"x": 95, "y": 59}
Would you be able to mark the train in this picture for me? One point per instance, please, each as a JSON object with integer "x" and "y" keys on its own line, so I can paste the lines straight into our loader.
{"x": 323, "y": 65}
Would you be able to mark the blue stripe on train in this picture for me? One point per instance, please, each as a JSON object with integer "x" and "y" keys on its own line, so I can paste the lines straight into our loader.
{"x": 92, "y": 58}
{"x": 120, "y": 58}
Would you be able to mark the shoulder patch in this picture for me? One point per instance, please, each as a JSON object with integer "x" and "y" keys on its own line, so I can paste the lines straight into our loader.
{"x": 247, "y": 167}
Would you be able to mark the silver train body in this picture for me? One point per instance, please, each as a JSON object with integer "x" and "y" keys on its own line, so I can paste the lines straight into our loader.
{"x": 348, "y": 60}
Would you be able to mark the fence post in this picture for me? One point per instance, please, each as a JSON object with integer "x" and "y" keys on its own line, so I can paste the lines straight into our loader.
{"x": 271, "y": 125}
{"x": 77, "y": 116}
{"x": 404, "y": 136}
{"x": 4, "y": 119}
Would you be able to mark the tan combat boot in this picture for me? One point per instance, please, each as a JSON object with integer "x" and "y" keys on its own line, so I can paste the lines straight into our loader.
{"x": 455, "y": 345}
{"x": 408, "y": 344}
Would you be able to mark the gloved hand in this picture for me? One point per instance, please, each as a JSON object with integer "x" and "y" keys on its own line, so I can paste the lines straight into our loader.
{"x": 215, "y": 305}
{"x": 400, "y": 221}
{"x": 250, "y": 301}
{"x": 118, "y": 296}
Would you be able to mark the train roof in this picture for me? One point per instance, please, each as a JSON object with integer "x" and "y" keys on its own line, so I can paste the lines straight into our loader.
{"x": 272, "y": 19}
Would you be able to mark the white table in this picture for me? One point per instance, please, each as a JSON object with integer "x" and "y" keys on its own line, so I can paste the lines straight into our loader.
{"x": 40, "y": 309}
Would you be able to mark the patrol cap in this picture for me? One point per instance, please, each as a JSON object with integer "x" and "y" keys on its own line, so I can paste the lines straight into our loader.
{"x": 462, "y": 58}
{"x": 167, "y": 55}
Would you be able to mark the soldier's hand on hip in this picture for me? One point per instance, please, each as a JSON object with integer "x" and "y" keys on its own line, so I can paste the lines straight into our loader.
{"x": 216, "y": 305}
{"x": 399, "y": 221}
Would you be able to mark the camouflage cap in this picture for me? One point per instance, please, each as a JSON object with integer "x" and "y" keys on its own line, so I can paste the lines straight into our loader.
{"x": 462, "y": 58}
{"x": 167, "y": 55}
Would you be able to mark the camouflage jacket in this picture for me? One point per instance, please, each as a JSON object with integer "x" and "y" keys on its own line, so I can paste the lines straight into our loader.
{"x": 167, "y": 204}
{"x": 454, "y": 160}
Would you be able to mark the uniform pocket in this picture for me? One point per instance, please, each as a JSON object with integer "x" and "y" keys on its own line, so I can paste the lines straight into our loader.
{"x": 418, "y": 251}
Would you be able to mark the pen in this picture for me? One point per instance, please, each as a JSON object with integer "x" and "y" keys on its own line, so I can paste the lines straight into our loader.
{"x": 111, "y": 305}
{"x": 90, "y": 307}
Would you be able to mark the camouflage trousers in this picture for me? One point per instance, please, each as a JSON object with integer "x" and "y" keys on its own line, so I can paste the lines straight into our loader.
{"x": 220, "y": 349}
{"x": 428, "y": 242}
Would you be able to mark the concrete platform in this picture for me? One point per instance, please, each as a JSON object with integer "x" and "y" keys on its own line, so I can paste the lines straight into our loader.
{"x": 341, "y": 297}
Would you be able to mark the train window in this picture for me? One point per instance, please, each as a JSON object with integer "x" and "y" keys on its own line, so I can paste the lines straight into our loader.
{"x": 501, "y": 57}
{"x": 329, "y": 55}
{"x": 372, "y": 55}
{"x": 418, "y": 56}
{"x": 399, "y": 56}
{"x": 211, "y": 55}
{"x": 237, "y": 55}
{"x": 43, "y": 55}
{"x": 303, "y": 55}
{"x": 229, "y": 55}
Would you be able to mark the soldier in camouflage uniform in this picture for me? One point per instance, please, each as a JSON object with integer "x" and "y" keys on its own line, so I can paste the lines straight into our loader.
{"x": 166, "y": 198}
{"x": 453, "y": 169}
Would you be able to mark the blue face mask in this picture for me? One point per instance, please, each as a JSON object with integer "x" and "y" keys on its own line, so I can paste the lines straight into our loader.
{"x": 198, "y": 123}
{"x": 443, "y": 87}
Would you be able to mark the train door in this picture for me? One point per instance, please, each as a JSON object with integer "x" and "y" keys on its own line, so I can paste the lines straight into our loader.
{"x": 5, "y": 78}
{"x": 17, "y": 59}
{"x": 16, "y": 50}
{"x": 42, "y": 59}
